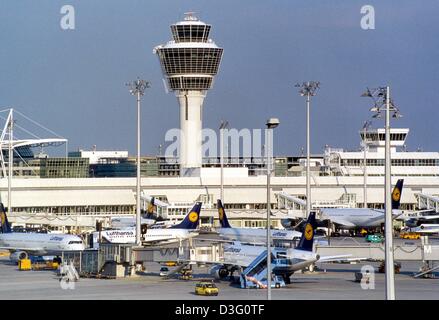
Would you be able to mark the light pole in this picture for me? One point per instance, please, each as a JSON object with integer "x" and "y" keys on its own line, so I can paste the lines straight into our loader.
{"x": 224, "y": 125}
{"x": 10, "y": 160}
{"x": 381, "y": 97}
{"x": 308, "y": 89}
{"x": 271, "y": 124}
{"x": 137, "y": 88}
{"x": 365, "y": 127}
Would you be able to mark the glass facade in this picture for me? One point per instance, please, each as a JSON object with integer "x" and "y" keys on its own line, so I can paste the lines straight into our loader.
{"x": 64, "y": 168}
{"x": 190, "y": 83}
{"x": 374, "y": 136}
{"x": 395, "y": 162}
{"x": 177, "y": 61}
{"x": 190, "y": 33}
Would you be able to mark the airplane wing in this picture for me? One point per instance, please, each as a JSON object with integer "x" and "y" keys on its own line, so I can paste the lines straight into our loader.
{"x": 432, "y": 217}
{"x": 34, "y": 251}
{"x": 232, "y": 241}
{"x": 213, "y": 262}
{"x": 340, "y": 258}
{"x": 342, "y": 222}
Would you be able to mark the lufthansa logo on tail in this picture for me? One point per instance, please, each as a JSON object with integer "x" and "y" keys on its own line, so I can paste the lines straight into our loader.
{"x": 2, "y": 219}
{"x": 308, "y": 231}
{"x": 193, "y": 216}
{"x": 396, "y": 194}
{"x": 221, "y": 213}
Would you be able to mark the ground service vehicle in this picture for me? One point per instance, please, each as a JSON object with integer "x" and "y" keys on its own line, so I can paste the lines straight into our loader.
{"x": 374, "y": 238}
{"x": 164, "y": 271}
{"x": 410, "y": 235}
{"x": 206, "y": 288}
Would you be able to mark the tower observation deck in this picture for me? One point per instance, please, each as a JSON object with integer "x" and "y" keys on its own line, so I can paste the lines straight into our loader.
{"x": 189, "y": 63}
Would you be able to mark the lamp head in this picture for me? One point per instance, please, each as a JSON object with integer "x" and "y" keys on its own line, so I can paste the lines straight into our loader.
{"x": 272, "y": 123}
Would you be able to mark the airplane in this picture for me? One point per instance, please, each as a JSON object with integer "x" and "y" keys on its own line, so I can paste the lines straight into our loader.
{"x": 22, "y": 245}
{"x": 424, "y": 223}
{"x": 424, "y": 228}
{"x": 250, "y": 235}
{"x": 353, "y": 218}
{"x": 238, "y": 256}
{"x": 130, "y": 222}
{"x": 184, "y": 230}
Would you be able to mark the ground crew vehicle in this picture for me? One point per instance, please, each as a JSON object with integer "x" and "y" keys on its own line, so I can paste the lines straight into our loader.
{"x": 374, "y": 238}
{"x": 206, "y": 288}
{"x": 410, "y": 235}
{"x": 164, "y": 271}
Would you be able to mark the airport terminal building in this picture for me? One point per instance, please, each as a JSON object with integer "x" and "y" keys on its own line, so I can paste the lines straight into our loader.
{"x": 72, "y": 193}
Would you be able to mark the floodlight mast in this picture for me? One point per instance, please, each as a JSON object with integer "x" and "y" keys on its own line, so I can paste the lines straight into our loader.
{"x": 137, "y": 88}
{"x": 11, "y": 159}
{"x": 381, "y": 98}
{"x": 308, "y": 89}
{"x": 271, "y": 124}
{"x": 365, "y": 148}
{"x": 224, "y": 125}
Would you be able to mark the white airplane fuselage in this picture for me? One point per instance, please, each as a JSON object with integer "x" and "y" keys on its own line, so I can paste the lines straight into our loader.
{"x": 292, "y": 259}
{"x": 351, "y": 218}
{"x": 129, "y": 222}
{"x": 40, "y": 243}
{"x": 257, "y": 235}
{"x": 125, "y": 236}
{"x": 426, "y": 228}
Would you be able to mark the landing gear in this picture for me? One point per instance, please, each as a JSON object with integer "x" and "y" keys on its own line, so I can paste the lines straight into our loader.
{"x": 231, "y": 274}
{"x": 57, "y": 259}
{"x": 286, "y": 278}
{"x": 223, "y": 273}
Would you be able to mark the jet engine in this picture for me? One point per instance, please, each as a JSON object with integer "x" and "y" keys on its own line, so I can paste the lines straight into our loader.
{"x": 219, "y": 272}
{"x": 18, "y": 255}
{"x": 412, "y": 223}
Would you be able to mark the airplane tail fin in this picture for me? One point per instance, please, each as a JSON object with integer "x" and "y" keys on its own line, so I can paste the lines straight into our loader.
{"x": 150, "y": 209}
{"x": 396, "y": 194}
{"x": 5, "y": 227}
{"x": 307, "y": 239}
{"x": 192, "y": 219}
{"x": 222, "y": 215}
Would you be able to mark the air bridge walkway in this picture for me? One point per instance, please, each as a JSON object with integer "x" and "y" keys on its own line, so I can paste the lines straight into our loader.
{"x": 422, "y": 251}
{"x": 427, "y": 202}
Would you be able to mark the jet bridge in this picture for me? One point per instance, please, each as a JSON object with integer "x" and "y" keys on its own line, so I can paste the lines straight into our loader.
{"x": 405, "y": 251}
{"x": 427, "y": 202}
{"x": 297, "y": 206}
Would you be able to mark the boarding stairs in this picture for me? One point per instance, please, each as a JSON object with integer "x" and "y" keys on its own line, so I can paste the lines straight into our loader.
{"x": 255, "y": 275}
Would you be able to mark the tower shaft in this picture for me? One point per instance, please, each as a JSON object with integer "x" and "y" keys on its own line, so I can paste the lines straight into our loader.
{"x": 191, "y": 112}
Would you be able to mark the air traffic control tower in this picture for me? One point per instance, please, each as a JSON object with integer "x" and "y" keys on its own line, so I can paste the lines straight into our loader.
{"x": 189, "y": 63}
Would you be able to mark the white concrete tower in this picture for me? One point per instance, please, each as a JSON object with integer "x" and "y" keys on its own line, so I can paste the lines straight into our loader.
{"x": 189, "y": 63}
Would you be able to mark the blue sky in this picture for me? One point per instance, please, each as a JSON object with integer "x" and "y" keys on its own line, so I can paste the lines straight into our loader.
{"x": 73, "y": 81}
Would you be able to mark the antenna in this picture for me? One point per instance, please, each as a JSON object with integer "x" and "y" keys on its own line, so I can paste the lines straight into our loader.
{"x": 190, "y": 16}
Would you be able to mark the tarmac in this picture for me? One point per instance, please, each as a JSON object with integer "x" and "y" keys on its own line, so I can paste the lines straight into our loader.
{"x": 331, "y": 281}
